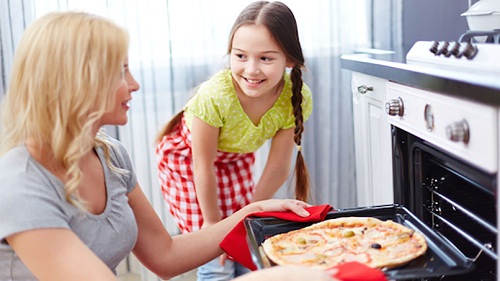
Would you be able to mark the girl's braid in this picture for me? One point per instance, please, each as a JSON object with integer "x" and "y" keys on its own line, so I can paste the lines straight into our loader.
{"x": 301, "y": 172}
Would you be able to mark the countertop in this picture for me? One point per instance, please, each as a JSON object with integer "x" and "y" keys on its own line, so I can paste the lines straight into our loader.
{"x": 479, "y": 87}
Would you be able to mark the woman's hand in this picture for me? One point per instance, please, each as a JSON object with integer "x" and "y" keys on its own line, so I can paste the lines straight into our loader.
{"x": 287, "y": 273}
{"x": 281, "y": 205}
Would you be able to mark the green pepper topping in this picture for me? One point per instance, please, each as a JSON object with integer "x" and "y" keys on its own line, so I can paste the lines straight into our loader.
{"x": 302, "y": 240}
{"x": 348, "y": 233}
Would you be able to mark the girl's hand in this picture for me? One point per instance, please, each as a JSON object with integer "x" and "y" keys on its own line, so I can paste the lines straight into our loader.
{"x": 222, "y": 259}
{"x": 281, "y": 205}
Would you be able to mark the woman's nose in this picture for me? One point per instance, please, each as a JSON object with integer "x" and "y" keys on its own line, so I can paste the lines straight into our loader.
{"x": 133, "y": 86}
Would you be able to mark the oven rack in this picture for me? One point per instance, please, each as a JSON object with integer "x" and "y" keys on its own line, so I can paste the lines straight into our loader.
{"x": 471, "y": 215}
{"x": 482, "y": 247}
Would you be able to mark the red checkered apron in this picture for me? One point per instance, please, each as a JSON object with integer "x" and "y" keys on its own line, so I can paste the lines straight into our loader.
{"x": 233, "y": 173}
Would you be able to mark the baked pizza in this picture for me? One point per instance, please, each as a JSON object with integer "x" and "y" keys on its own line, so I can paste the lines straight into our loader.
{"x": 373, "y": 242}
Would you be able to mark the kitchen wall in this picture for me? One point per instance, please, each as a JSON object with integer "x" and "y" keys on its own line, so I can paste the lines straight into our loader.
{"x": 428, "y": 20}
{"x": 386, "y": 22}
{"x": 397, "y": 24}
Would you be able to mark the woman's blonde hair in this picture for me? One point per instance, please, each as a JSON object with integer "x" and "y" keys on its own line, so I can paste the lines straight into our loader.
{"x": 65, "y": 67}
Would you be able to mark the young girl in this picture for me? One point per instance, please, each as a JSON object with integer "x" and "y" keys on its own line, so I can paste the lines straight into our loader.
{"x": 206, "y": 152}
{"x": 70, "y": 206}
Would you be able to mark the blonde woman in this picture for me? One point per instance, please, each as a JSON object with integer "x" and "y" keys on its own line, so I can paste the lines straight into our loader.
{"x": 70, "y": 204}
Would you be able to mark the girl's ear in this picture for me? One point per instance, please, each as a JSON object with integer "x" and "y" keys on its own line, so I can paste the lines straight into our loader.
{"x": 289, "y": 64}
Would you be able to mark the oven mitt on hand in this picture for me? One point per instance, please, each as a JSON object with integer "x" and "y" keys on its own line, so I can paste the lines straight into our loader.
{"x": 355, "y": 271}
{"x": 235, "y": 243}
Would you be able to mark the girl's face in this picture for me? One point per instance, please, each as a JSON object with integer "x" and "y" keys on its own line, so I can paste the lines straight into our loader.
{"x": 257, "y": 62}
{"x": 125, "y": 85}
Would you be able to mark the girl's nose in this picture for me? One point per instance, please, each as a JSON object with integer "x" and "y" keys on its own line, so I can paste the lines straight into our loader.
{"x": 253, "y": 67}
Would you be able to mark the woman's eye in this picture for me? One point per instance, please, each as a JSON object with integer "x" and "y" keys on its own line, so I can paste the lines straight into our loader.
{"x": 124, "y": 71}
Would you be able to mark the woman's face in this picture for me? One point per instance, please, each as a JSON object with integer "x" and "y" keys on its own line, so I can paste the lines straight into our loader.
{"x": 257, "y": 62}
{"x": 125, "y": 84}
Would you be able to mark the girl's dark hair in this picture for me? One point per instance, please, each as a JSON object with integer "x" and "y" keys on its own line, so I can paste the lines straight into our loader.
{"x": 280, "y": 22}
{"x": 170, "y": 126}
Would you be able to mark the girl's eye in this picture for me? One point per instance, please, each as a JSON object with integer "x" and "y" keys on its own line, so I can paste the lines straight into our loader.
{"x": 240, "y": 56}
{"x": 266, "y": 59}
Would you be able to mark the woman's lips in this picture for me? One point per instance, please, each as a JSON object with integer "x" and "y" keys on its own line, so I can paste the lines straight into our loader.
{"x": 126, "y": 105}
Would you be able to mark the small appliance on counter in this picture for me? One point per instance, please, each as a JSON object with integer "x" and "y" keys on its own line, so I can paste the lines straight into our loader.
{"x": 483, "y": 15}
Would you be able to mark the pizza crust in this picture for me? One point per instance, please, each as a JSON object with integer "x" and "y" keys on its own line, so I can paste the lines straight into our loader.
{"x": 375, "y": 243}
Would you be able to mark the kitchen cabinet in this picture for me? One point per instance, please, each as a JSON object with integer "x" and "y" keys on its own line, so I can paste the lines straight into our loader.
{"x": 372, "y": 137}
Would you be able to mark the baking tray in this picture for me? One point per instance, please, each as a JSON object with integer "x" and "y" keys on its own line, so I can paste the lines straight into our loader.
{"x": 441, "y": 258}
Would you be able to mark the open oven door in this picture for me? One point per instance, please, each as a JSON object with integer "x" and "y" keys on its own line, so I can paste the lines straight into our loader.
{"x": 455, "y": 199}
{"x": 441, "y": 258}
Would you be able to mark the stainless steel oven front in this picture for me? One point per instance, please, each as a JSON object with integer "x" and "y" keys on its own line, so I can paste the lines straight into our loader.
{"x": 445, "y": 170}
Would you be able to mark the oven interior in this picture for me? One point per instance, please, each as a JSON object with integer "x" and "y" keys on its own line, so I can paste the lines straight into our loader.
{"x": 455, "y": 199}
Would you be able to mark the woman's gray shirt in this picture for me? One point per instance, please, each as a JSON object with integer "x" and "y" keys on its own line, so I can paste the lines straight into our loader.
{"x": 31, "y": 198}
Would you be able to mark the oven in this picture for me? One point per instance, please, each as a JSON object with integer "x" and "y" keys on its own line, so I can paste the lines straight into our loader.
{"x": 445, "y": 153}
{"x": 445, "y": 158}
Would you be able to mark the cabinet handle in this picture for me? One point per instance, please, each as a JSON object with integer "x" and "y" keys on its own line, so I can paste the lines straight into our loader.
{"x": 363, "y": 89}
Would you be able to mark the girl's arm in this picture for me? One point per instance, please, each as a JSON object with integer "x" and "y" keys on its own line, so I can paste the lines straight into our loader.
{"x": 169, "y": 256}
{"x": 277, "y": 167}
{"x": 204, "y": 147}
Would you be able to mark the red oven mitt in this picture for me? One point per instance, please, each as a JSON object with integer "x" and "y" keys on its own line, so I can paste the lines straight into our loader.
{"x": 235, "y": 243}
{"x": 355, "y": 271}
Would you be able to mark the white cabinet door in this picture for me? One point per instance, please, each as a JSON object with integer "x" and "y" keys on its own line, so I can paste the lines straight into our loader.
{"x": 372, "y": 141}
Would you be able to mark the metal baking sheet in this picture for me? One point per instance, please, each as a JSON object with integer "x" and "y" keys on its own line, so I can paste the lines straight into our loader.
{"x": 441, "y": 258}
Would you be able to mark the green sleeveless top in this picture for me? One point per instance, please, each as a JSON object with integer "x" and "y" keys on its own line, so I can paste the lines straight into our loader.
{"x": 216, "y": 104}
